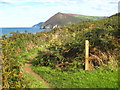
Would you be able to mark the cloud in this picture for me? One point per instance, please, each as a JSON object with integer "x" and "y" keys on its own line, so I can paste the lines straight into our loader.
{"x": 113, "y": 2}
{"x": 101, "y": 1}
{"x": 4, "y": 3}
{"x": 60, "y": 1}
{"x": 104, "y": 6}
{"x": 8, "y": 1}
{"x": 39, "y": 1}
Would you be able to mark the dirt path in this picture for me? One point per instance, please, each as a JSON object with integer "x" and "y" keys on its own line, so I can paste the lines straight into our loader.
{"x": 29, "y": 70}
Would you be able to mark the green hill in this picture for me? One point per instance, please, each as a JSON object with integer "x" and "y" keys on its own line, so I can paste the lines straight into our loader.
{"x": 64, "y": 19}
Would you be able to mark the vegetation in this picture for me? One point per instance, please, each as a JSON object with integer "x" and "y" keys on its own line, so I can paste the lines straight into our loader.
{"x": 65, "y": 49}
{"x": 60, "y": 53}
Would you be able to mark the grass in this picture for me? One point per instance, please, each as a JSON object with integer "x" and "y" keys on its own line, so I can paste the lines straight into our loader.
{"x": 101, "y": 78}
{"x": 24, "y": 57}
{"x": 33, "y": 82}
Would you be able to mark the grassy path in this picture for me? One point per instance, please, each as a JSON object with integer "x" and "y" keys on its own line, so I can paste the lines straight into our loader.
{"x": 29, "y": 71}
{"x": 35, "y": 81}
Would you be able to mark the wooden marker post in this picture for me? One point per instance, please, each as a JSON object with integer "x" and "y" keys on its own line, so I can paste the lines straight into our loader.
{"x": 86, "y": 55}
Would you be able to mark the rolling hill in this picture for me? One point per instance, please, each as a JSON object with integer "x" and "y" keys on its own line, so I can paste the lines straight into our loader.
{"x": 65, "y": 19}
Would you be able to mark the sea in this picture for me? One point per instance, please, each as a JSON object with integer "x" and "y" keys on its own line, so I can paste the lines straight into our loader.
{"x": 7, "y": 30}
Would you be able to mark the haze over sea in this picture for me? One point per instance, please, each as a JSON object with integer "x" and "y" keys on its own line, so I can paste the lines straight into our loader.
{"x": 7, "y": 30}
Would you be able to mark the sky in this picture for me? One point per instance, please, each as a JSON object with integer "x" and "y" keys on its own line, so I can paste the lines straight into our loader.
{"x": 26, "y": 13}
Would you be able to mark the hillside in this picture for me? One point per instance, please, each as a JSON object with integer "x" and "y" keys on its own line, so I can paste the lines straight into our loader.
{"x": 65, "y": 19}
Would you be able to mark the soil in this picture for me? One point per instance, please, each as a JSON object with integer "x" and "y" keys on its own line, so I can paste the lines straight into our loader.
{"x": 29, "y": 70}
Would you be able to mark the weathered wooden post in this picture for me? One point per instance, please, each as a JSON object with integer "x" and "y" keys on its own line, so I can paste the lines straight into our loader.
{"x": 86, "y": 55}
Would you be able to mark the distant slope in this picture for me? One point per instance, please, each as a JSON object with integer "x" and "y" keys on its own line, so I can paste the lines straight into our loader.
{"x": 64, "y": 19}
{"x": 117, "y": 14}
{"x": 37, "y": 25}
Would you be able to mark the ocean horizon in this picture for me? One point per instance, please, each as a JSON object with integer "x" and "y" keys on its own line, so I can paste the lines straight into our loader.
{"x": 8, "y": 30}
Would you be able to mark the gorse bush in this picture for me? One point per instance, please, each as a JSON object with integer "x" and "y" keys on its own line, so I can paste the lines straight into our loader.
{"x": 12, "y": 75}
{"x": 66, "y": 48}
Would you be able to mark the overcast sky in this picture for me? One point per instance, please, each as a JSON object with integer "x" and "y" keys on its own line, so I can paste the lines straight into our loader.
{"x": 26, "y": 13}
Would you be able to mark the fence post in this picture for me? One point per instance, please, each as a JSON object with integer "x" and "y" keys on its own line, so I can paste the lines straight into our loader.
{"x": 86, "y": 55}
